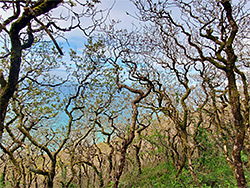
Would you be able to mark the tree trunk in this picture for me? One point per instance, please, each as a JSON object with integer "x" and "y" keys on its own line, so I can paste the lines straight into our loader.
{"x": 121, "y": 164}
{"x": 239, "y": 128}
{"x": 50, "y": 181}
{"x": 8, "y": 87}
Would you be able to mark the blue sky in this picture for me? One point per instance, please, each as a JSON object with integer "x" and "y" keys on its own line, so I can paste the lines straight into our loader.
{"x": 117, "y": 13}
{"x": 76, "y": 39}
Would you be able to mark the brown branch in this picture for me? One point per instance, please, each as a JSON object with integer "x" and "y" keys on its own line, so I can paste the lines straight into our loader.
{"x": 2, "y": 80}
{"x": 10, "y": 19}
{"x": 47, "y": 31}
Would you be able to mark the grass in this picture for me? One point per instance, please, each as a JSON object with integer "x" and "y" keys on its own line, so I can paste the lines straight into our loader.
{"x": 163, "y": 175}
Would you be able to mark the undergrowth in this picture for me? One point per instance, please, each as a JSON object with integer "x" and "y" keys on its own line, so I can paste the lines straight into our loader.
{"x": 163, "y": 175}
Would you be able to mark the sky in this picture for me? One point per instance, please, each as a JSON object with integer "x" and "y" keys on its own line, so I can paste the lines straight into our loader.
{"x": 115, "y": 9}
{"x": 76, "y": 38}
{"x": 118, "y": 12}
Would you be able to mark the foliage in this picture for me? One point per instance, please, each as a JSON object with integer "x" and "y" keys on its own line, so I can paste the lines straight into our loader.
{"x": 165, "y": 104}
{"x": 210, "y": 165}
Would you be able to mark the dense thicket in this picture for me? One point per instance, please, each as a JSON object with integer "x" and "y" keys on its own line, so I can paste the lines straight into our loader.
{"x": 165, "y": 104}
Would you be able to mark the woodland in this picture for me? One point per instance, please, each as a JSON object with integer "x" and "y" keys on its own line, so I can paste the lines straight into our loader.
{"x": 163, "y": 103}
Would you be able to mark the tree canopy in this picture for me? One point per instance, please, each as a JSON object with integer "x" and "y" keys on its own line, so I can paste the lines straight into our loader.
{"x": 164, "y": 103}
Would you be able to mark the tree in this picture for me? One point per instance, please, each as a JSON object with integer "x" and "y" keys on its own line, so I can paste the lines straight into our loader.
{"x": 30, "y": 97}
{"x": 210, "y": 36}
{"x": 18, "y": 22}
{"x": 32, "y": 104}
{"x": 27, "y": 23}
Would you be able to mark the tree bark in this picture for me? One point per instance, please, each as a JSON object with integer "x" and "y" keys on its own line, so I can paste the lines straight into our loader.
{"x": 239, "y": 127}
{"x": 52, "y": 172}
